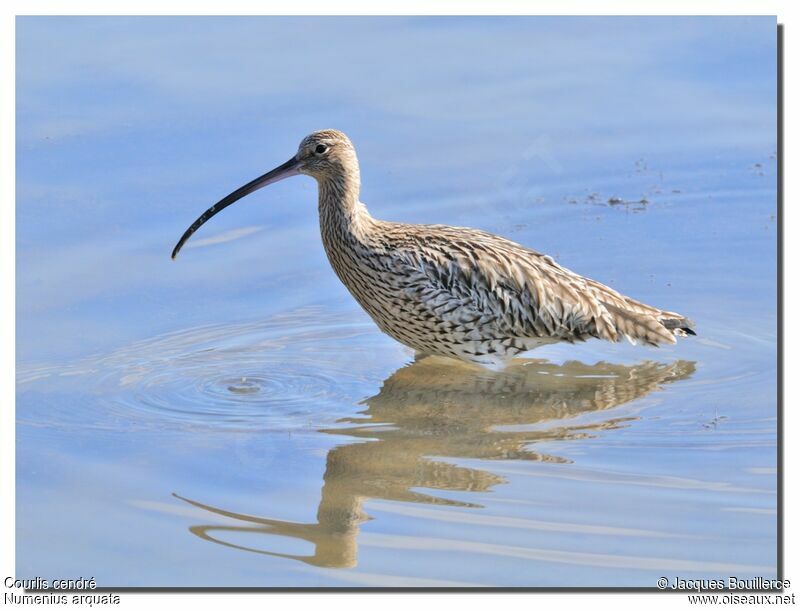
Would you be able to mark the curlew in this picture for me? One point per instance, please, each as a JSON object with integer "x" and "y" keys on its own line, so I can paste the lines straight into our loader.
{"x": 453, "y": 291}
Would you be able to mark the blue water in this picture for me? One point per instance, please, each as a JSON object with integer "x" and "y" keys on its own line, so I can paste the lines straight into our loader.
{"x": 233, "y": 418}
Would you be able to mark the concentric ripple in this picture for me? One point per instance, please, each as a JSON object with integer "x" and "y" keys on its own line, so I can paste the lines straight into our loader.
{"x": 298, "y": 370}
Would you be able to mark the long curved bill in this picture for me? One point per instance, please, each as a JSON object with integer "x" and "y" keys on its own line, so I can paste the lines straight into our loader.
{"x": 290, "y": 168}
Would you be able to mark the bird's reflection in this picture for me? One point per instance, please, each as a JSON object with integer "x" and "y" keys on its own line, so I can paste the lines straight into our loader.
{"x": 437, "y": 408}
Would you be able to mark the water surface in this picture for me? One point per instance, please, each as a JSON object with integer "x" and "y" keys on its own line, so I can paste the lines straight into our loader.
{"x": 234, "y": 419}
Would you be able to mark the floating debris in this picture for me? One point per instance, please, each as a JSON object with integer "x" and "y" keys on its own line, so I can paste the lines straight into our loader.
{"x": 639, "y": 203}
{"x": 712, "y": 424}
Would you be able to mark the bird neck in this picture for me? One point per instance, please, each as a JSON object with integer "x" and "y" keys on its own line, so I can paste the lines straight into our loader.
{"x": 339, "y": 207}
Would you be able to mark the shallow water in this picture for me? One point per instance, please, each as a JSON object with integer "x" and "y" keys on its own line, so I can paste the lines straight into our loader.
{"x": 234, "y": 419}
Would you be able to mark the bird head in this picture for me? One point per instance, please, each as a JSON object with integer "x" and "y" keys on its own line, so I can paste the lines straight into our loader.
{"x": 326, "y": 155}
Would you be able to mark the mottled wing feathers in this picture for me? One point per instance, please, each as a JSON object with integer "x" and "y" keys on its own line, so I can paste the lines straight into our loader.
{"x": 477, "y": 282}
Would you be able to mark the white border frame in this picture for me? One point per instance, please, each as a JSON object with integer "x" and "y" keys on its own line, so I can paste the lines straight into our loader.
{"x": 787, "y": 13}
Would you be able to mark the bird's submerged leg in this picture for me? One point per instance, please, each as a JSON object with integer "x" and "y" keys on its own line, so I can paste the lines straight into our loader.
{"x": 490, "y": 363}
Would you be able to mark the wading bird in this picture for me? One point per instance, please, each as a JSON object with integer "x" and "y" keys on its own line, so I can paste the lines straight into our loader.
{"x": 453, "y": 291}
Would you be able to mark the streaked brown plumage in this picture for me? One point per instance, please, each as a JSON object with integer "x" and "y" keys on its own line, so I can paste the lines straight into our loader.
{"x": 454, "y": 291}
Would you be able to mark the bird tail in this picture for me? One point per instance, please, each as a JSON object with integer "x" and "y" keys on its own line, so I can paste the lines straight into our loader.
{"x": 641, "y": 323}
{"x": 680, "y": 326}
{"x": 624, "y": 317}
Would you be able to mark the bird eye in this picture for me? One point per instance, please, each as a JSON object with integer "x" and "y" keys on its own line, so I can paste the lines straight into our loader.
{"x": 321, "y": 148}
